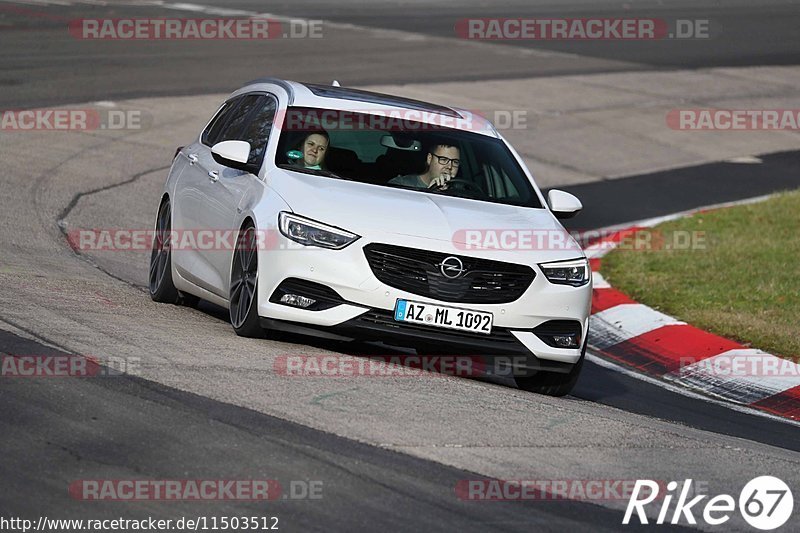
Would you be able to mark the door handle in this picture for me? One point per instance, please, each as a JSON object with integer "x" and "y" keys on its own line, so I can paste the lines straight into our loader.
{"x": 213, "y": 175}
{"x": 192, "y": 158}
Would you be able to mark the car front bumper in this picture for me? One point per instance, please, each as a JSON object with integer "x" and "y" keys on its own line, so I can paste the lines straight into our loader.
{"x": 365, "y": 309}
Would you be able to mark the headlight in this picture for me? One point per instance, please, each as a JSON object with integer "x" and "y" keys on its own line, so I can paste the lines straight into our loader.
{"x": 574, "y": 272}
{"x": 312, "y": 233}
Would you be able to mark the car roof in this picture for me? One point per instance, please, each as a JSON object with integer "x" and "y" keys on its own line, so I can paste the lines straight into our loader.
{"x": 345, "y": 93}
{"x": 349, "y": 99}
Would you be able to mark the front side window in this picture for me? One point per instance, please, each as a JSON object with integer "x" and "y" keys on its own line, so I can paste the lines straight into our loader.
{"x": 258, "y": 127}
{"x": 212, "y": 131}
{"x": 245, "y": 118}
{"x": 235, "y": 125}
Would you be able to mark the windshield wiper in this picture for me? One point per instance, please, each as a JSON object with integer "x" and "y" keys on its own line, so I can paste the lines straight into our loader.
{"x": 429, "y": 190}
{"x": 399, "y": 186}
{"x": 314, "y": 171}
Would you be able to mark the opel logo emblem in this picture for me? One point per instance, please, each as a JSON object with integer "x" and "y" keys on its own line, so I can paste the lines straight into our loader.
{"x": 452, "y": 267}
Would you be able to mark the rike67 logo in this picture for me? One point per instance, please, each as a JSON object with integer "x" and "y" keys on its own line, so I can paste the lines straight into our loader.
{"x": 765, "y": 503}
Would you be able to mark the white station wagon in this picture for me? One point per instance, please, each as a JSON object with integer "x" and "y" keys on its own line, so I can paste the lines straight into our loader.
{"x": 365, "y": 216}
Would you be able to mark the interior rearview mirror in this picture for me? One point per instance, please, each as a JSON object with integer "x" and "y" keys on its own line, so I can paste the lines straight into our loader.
{"x": 399, "y": 142}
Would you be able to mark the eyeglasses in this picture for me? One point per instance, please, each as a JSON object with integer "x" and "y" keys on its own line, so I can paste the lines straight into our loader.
{"x": 444, "y": 161}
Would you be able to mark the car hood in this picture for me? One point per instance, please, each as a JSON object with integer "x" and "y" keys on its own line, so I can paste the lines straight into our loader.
{"x": 465, "y": 225}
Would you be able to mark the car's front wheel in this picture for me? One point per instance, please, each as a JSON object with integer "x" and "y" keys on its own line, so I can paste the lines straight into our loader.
{"x": 243, "y": 298}
{"x": 552, "y": 383}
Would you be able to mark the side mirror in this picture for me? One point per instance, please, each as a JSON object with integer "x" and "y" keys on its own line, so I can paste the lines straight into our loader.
{"x": 232, "y": 154}
{"x": 563, "y": 204}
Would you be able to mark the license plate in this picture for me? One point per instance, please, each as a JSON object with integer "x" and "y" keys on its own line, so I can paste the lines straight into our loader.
{"x": 441, "y": 316}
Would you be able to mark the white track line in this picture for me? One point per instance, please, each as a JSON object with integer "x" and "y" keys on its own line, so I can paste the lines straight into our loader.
{"x": 605, "y": 363}
{"x": 626, "y": 321}
{"x": 745, "y": 375}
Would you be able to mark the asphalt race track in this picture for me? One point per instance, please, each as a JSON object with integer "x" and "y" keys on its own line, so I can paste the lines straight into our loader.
{"x": 203, "y": 403}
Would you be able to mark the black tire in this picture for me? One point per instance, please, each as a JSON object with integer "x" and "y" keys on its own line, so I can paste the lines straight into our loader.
{"x": 162, "y": 289}
{"x": 243, "y": 291}
{"x": 552, "y": 383}
{"x": 160, "y": 277}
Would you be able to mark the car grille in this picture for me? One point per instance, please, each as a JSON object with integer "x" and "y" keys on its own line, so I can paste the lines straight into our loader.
{"x": 417, "y": 271}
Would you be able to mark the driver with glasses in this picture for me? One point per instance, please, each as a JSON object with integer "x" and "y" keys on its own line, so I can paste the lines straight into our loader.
{"x": 442, "y": 166}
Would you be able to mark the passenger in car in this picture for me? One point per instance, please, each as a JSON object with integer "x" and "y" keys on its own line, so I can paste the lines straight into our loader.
{"x": 442, "y": 165}
{"x": 313, "y": 149}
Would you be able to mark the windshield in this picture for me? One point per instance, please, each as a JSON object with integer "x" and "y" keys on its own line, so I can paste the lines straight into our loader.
{"x": 407, "y": 154}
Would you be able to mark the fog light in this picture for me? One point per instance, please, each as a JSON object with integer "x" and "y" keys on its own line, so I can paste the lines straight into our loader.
{"x": 296, "y": 300}
{"x": 565, "y": 341}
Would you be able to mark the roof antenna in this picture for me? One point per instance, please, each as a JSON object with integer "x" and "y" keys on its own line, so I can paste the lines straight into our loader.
{"x": 335, "y": 83}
